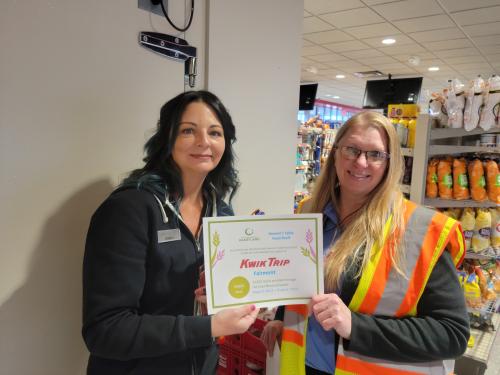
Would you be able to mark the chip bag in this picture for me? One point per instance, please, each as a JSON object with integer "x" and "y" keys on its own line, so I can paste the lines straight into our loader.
{"x": 481, "y": 236}
{"x": 492, "y": 181}
{"x": 431, "y": 188}
{"x": 477, "y": 181}
{"x": 460, "y": 180}
{"x": 495, "y": 227}
{"x": 445, "y": 179}
{"x": 468, "y": 221}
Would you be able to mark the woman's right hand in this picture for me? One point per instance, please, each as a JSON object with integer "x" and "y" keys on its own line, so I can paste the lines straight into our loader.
{"x": 233, "y": 321}
{"x": 270, "y": 334}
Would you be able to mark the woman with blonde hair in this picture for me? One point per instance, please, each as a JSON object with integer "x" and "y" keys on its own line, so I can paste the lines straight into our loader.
{"x": 392, "y": 302}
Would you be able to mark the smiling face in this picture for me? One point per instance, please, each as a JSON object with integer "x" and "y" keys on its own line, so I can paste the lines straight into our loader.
{"x": 358, "y": 177}
{"x": 200, "y": 143}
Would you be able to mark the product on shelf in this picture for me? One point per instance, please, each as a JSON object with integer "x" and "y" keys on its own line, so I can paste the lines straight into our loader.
{"x": 473, "y": 103}
{"x": 477, "y": 181}
{"x": 482, "y": 231}
{"x": 431, "y": 189}
{"x": 445, "y": 179}
{"x": 468, "y": 221}
{"x": 403, "y": 117}
{"x": 460, "y": 181}
{"x": 455, "y": 104}
{"x": 495, "y": 227}
{"x": 491, "y": 100}
{"x": 437, "y": 110}
{"x": 492, "y": 181}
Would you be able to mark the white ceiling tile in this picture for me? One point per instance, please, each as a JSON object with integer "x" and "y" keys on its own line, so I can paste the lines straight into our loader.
{"x": 370, "y": 31}
{"x": 495, "y": 57}
{"x": 346, "y": 46}
{"x": 328, "y": 6}
{"x": 304, "y": 60}
{"x": 328, "y": 57}
{"x": 307, "y": 14}
{"x": 471, "y": 66}
{"x": 408, "y": 9}
{"x": 313, "y": 50}
{"x": 345, "y": 64}
{"x": 363, "y": 53}
{"x": 448, "y": 44}
{"x": 483, "y": 29}
{"x": 306, "y": 43}
{"x": 456, "y": 52}
{"x": 477, "y": 16}
{"x": 439, "y": 21}
{"x": 396, "y": 65}
{"x": 330, "y": 36}
{"x": 405, "y": 56}
{"x": 314, "y": 24}
{"x": 308, "y": 77}
{"x": 488, "y": 40}
{"x": 457, "y": 5}
{"x": 434, "y": 36}
{"x": 413, "y": 49}
{"x": 381, "y": 60}
{"x": 465, "y": 59}
{"x": 357, "y": 68}
{"x": 353, "y": 17}
{"x": 375, "y": 2}
{"x": 401, "y": 39}
{"x": 314, "y": 64}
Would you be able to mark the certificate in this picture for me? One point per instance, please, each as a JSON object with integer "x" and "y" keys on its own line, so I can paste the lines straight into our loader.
{"x": 262, "y": 260}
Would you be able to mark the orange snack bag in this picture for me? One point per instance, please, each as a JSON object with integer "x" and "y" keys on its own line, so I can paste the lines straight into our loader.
{"x": 445, "y": 179}
{"x": 460, "y": 181}
{"x": 492, "y": 181}
{"x": 477, "y": 181}
{"x": 431, "y": 189}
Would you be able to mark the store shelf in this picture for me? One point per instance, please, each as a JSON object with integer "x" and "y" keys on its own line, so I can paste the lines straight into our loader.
{"x": 489, "y": 308}
{"x": 407, "y": 151}
{"x": 483, "y": 342}
{"x": 448, "y": 150}
{"x": 443, "y": 133}
{"x": 440, "y": 203}
{"x": 483, "y": 255}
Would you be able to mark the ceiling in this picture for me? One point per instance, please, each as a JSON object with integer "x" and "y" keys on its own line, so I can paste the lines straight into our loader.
{"x": 461, "y": 37}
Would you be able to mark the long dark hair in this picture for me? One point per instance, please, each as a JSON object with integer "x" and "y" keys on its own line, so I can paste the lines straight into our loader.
{"x": 160, "y": 167}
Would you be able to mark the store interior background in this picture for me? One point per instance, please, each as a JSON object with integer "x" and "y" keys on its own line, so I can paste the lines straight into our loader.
{"x": 79, "y": 96}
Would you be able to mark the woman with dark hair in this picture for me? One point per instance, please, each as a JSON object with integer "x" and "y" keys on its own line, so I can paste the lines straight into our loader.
{"x": 143, "y": 251}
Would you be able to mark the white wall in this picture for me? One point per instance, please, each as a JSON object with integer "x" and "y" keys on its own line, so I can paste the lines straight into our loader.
{"x": 254, "y": 66}
{"x": 78, "y": 98}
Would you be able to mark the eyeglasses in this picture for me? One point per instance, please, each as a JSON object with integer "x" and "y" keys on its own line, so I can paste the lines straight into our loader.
{"x": 372, "y": 157}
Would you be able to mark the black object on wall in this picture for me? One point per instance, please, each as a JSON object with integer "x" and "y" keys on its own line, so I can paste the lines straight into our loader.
{"x": 307, "y": 96}
{"x": 381, "y": 93}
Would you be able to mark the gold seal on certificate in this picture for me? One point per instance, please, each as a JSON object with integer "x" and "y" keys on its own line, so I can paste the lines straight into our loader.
{"x": 262, "y": 260}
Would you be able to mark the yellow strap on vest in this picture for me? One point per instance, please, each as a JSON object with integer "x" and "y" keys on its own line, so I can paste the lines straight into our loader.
{"x": 369, "y": 272}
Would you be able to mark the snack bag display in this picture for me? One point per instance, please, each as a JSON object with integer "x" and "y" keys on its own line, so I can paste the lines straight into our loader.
{"x": 431, "y": 188}
{"x": 437, "y": 110}
{"x": 491, "y": 99}
{"x": 455, "y": 104}
{"x": 460, "y": 180}
{"x": 472, "y": 291}
{"x": 468, "y": 221}
{"x": 476, "y": 180}
{"x": 445, "y": 179}
{"x": 482, "y": 230}
{"x": 495, "y": 227}
{"x": 473, "y": 102}
{"x": 492, "y": 181}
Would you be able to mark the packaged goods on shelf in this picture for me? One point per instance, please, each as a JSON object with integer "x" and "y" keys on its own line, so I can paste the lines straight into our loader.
{"x": 491, "y": 100}
{"x": 473, "y": 103}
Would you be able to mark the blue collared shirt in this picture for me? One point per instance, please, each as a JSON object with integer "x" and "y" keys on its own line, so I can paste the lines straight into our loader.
{"x": 320, "y": 344}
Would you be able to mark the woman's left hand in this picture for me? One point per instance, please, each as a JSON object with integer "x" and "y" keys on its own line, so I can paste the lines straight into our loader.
{"x": 332, "y": 313}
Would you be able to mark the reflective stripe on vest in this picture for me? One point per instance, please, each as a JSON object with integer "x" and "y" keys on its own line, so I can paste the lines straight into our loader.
{"x": 293, "y": 350}
{"x": 384, "y": 292}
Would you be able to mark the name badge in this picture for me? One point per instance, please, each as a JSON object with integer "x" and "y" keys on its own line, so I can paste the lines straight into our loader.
{"x": 168, "y": 235}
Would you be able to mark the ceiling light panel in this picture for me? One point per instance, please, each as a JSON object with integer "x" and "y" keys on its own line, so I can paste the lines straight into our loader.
{"x": 401, "y": 39}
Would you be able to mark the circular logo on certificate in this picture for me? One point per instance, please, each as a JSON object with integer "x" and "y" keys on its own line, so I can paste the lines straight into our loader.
{"x": 238, "y": 287}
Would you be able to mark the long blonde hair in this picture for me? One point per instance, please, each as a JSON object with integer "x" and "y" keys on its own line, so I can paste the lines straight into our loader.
{"x": 365, "y": 227}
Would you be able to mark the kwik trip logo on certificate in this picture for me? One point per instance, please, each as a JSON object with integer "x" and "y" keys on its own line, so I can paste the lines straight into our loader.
{"x": 262, "y": 260}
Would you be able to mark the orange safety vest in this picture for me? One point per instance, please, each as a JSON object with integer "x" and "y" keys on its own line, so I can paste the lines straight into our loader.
{"x": 381, "y": 291}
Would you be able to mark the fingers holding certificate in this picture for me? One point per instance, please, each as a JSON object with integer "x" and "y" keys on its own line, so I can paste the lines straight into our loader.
{"x": 262, "y": 260}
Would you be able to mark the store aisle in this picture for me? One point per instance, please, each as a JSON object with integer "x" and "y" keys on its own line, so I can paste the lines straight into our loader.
{"x": 494, "y": 360}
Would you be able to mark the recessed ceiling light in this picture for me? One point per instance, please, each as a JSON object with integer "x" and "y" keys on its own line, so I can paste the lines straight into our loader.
{"x": 433, "y": 68}
{"x": 336, "y": 97}
{"x": 389, "y": 41}
{"x": 340, "y": 76}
